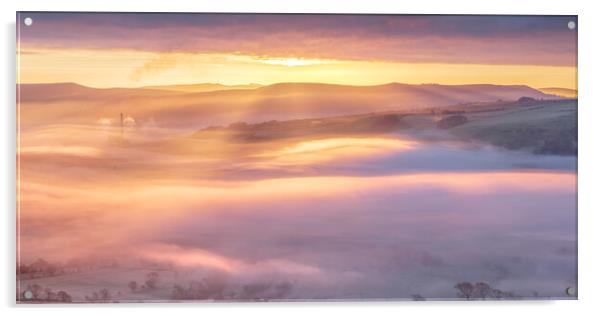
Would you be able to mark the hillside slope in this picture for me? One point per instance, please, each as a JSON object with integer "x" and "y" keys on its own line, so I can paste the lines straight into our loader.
{"x": 544, "y": 127}
{"x": 547, "y": 128}
{"x": 563, "y": 92}
{"x": 75, "y": 104}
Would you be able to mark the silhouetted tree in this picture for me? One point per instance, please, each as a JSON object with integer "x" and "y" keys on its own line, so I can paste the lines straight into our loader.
{"x": 535, "y": 294}
{"x": 62, "y": 296}
{"x": 465, "y": 290}
{"x": 49, "y": 295}
{"x": 42, "y": 294}
{"x": 497, "y": 294}
{"x": 151, "y": 280}
{"x": 482, "y": 290}
{"x": 211, "y": 287}
{"x": 178, "y": 292}
{"x": 103, "y": 296}
{"x": 92, "y": 298}
{"x": 418, "y": 297}
{"x": 133, "y": 285}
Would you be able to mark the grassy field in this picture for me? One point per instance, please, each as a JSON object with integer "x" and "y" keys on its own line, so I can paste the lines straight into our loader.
{"x": 546, "y": 128}
{"x": 540, "y": 127}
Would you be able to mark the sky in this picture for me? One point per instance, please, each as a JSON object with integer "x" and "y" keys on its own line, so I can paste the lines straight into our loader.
{"x": 133, "y": 49}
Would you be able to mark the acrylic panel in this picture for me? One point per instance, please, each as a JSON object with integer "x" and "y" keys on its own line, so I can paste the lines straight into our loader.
{"x": 177, "y": 157}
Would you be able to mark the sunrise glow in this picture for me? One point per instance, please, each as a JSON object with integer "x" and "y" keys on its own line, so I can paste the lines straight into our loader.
{"x": 187, "y": 157}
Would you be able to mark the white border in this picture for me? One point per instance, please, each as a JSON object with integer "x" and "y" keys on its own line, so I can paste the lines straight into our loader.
{"x": 590, "y": 123}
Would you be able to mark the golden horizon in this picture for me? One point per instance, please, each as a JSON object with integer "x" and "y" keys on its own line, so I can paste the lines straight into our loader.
{"x": 99, "y": 68}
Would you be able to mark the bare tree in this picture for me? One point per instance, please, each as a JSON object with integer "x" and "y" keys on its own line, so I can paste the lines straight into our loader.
{"x": 104, "y": 295}
{"x": 151, "y": 280}
{"x": 465, "y": 290}
{"x": 482, "y": 290}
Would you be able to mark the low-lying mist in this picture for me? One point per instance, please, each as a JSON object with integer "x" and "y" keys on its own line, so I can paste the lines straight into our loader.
{"x": 331, "y": 217}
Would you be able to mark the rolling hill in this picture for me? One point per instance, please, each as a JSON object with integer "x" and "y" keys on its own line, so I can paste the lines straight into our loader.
{"x": 203, "y": 87}
{"x": 76, "y": 104}
{"x": 543, "y": 127}
{"x": 562, "y": 92}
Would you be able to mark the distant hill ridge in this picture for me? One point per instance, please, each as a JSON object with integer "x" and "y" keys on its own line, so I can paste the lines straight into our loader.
{"x": 563, "y": 92}
{"x": 203, "y": 87}
{"x": 281, "y": 101}
{"x": 482, "y": 90}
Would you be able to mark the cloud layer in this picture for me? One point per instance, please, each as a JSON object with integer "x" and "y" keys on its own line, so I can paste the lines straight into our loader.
{"x": 536, "y": 40}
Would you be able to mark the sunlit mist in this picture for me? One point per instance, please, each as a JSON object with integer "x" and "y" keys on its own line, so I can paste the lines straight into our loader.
{"x": 262, "y": 157}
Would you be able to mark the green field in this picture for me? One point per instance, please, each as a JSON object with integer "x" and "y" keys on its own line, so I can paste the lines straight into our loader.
{"x": 546, "y": 128}
{"x": 540, "y": 127}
